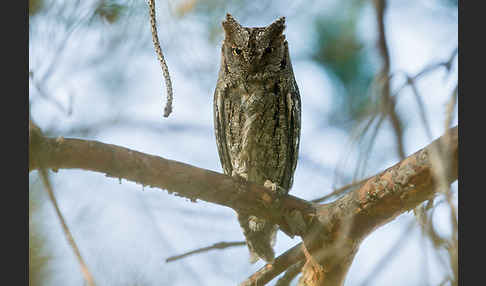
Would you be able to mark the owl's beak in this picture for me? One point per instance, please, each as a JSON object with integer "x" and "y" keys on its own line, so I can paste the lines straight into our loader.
{"x": 255, "y": 60}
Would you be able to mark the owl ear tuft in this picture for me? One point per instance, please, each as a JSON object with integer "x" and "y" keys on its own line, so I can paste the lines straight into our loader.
{"x": 229, "y": 17}
{"x": 230, "y": 25}
{"x": 276, "y": 28}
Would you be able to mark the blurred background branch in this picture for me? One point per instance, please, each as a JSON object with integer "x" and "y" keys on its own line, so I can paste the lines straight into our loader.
{"x": 218, "y": 245}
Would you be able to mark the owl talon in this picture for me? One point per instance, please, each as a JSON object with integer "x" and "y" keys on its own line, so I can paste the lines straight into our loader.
{"x": 269, "y": 185}
{"x": 234, "y": 173}
{"x": 275, "y": 188}
{"x": 256, "y": 224}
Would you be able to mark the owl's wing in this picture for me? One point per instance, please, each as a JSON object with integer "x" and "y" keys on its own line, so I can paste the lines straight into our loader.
{"x": 220, "y": 128}
{"x": 294, "y": 116}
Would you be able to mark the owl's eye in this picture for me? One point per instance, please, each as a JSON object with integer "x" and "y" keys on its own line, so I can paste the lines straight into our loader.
{"x": 236, "y": 51}
{"x": 267, "y": 50}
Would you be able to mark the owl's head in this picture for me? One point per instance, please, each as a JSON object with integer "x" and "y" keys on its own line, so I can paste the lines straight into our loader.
{"x": 251, "y": 51}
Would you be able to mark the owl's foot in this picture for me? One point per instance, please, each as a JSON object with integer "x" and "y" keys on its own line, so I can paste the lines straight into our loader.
{"x": 253, "y": 257}
{"x": 275, "y": 188}
{"x": 270, "y": 185}
{"x": 234, "y": 173}
{"x": 260, "y": 237}
{"x": 256, "y": 224}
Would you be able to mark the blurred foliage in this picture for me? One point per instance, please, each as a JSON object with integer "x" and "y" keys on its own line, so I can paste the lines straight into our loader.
{"x": 341, "y": 51}
{"x": 185, "y": 7}
{"x": 109, "y": 10}
{"x": 35, "y": 6}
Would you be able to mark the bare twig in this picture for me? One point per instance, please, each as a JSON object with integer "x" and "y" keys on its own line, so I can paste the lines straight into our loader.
{"x": 166, "y": 242}
{"x": 387, "y": 100}
{"x": 383, "y": 197}
{"x": 85, "y": 129}
{"x": 270, "y": 271}
{"x": 453, "y": 242}
{"x": 51, "y": 99}
{"x": 84, "y": 268}
{"x": 450, "y": 108}
{"x": 439, "y": 155}
{"x": 34, "y": 135}
{"x": 429, "y": 68}
{"x": 160, "y": 55}
{"x": 358, "y": 136}
{"x": 410, "y": 81}
{"x": 364, "y": 156}
{"x": 219, "y": 245}
{"x": 421, "y": 107}
{"x": 403, "y": 186}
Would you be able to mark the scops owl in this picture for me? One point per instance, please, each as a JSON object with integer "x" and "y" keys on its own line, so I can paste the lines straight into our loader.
{"x": 257, "y": 118}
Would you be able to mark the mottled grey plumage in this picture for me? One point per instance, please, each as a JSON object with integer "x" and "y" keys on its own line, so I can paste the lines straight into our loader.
{"x": 257, "y": 118}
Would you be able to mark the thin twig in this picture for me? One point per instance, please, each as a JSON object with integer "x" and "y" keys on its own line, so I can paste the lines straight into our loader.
{"x": 440, "y": 156}
{"x": 51, "y": 99}
{"x": 427, "y": 227}
{"x": 167, "y": 243}
{"x": 34, "y": 135}
{"x": 450, "y": 107}
{"x": 219, "y": 245}
{"x": 388, "y": 101}
{"x": 437, "y": 240}
{"x": 281, "y": 263}
{"x": 356, "y": 138}
{"x": 84, "y": 268}
{"x": 364, "y": 156}
{"x": 429, "y": 68}
{"x": 453, "y": 244}
{"x": 421, "y": 107}
{"x": 160, "y": 55}
{"x": 86, "y": 129}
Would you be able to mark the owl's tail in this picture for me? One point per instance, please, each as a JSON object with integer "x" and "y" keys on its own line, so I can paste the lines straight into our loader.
{"x": 260, "y": 237}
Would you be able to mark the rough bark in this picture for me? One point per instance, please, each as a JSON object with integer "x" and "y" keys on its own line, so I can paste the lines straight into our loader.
{"x": 148, "y": 170}
{"x": 335, "y": 233}
{"x": 331, "y": 232}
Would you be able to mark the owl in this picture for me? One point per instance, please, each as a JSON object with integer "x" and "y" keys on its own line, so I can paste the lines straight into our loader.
{"x": 257, "y": 118}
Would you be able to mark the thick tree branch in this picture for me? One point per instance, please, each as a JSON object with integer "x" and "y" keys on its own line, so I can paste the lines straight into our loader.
{"x": 50, "y": 192}
{"x": 331, "y": 232}
{"x": 340, "y": 227}
{"x": 334, "y": 237}
{"x": 183, "y": 179}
